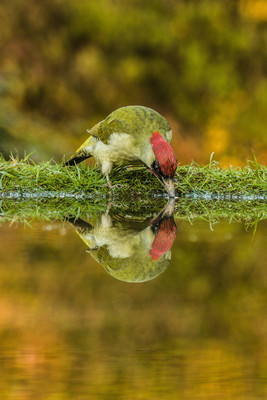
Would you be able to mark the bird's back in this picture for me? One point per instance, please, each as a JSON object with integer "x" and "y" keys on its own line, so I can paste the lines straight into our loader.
{"x": 138, "y": 121}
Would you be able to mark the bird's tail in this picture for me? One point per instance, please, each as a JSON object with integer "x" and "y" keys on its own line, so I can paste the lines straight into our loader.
{"x": 76, "y": 158}
{"x": 82, "y": 153}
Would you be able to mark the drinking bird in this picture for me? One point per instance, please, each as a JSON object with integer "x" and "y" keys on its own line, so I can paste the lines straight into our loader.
{"x": 131, "y": 134}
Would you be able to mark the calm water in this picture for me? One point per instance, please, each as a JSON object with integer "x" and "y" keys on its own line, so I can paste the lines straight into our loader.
{"x": 72, "y": 328}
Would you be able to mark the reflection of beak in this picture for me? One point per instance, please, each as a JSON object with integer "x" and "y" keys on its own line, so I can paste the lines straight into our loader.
{"x": 169, "y": 184}
{"x": 169, "y": 209}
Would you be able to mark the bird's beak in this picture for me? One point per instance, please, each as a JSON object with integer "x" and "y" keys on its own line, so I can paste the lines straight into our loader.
{"x": 169, "y": 184}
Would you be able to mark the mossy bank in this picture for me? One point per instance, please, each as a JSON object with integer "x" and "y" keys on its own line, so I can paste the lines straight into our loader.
{"x": 50, "y": 191}
{"x": 24, "y": 177}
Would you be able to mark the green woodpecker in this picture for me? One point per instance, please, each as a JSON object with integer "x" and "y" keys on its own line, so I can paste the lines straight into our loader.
{"x": 130, "y": 134}
{"x": 130, "y": 251}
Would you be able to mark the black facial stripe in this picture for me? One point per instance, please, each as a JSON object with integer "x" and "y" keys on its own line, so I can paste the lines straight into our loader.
{"x": 157, "y": 170}
{"x": 155, "y": 166}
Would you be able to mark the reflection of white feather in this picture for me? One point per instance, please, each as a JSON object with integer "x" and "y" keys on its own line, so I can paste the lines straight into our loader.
{"x": 121, "y": 243}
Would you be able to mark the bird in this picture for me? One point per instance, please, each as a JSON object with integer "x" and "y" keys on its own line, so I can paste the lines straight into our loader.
{"x": 131, "y": 134}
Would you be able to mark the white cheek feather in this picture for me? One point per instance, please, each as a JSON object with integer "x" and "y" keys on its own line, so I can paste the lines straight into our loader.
{"x": 169, "y": 136}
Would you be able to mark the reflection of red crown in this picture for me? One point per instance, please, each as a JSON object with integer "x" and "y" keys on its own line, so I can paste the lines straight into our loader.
{"x": 164, "y": 239}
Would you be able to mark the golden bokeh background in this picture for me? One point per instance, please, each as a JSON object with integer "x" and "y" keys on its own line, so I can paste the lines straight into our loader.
{"x": 65, "y": 65}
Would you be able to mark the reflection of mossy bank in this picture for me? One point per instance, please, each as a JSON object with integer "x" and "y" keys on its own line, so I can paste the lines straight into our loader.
{"x": 46, "y": 209}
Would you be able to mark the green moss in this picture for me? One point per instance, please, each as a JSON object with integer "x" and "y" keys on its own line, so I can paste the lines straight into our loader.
{"x": 24, "y": 175}
{"x": 50, "y": 191}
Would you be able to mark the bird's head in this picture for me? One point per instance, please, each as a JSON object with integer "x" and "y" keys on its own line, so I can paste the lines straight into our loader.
{"x": 164, "y": 163}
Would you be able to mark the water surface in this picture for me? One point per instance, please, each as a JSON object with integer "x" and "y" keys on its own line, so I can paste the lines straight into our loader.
{"x": 70, "y": 329}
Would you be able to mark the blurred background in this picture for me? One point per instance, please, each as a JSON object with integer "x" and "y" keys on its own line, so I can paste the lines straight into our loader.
{"x": 66, "y": 64}
{"x": 68, "y": 329}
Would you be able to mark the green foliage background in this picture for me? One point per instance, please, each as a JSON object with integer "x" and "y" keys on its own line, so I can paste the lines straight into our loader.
{"x": 66, "y": 64}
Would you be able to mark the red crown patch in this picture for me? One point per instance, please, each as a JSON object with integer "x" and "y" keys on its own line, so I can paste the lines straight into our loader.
{"x": 164, "y": 154}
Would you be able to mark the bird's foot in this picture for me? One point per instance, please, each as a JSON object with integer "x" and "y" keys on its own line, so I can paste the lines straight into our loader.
{"x": 118, "y": 185}
{"x": 110, "y": 186}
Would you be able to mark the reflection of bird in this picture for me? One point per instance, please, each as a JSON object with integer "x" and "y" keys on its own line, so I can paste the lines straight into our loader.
{"x": 127, "y": 253}
{"x": 128, "y": 134}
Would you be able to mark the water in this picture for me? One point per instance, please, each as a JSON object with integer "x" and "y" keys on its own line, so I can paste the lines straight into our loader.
{"x": 72, "y": 328}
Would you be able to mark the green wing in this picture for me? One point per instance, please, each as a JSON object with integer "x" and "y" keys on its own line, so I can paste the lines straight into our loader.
{"x": 110, "y": 125}
{"x": 138, "y": 121}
